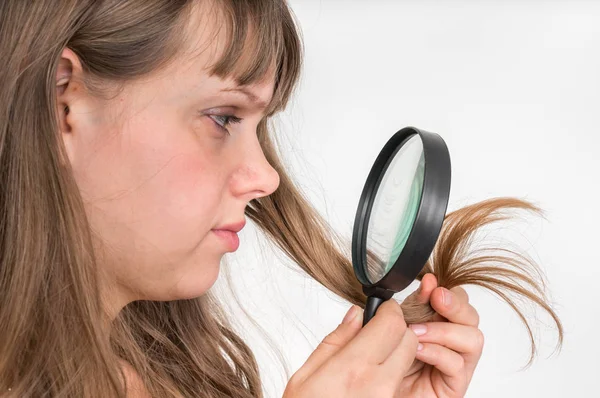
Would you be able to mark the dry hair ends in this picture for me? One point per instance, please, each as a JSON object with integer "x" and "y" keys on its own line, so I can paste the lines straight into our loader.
{"x": 51, "y": 341}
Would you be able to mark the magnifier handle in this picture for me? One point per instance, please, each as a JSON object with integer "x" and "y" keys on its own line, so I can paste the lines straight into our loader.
{"x": 373, "y": 302}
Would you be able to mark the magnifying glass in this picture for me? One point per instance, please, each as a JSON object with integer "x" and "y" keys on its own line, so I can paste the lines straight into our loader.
{"x": 400, "y": 214}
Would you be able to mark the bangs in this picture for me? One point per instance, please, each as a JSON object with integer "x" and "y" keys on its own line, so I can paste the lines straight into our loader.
{"x": 261, "y": 39}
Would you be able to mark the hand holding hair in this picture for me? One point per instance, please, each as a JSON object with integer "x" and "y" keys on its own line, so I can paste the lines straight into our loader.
{"x": 507, "y": 273}
{"x": 450, "y": 345}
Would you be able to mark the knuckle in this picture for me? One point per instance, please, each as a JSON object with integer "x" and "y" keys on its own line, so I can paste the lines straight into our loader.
{"x": 332, "y": 339}
{"x": 292, "y": 386}
{"x": 476, "y": 318}
{"x": 443, "y": 332}
{"x": 293, "y": 381}
{"x": 479, "y": 340}
{"x": 461, "y": 364}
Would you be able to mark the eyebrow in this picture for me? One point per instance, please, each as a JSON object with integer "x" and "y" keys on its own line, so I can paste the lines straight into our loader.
{"x": 260, "y": 103}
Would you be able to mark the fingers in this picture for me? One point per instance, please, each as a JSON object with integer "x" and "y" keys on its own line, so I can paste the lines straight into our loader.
{"x": 428, "y": 284}
{"x": 387, "y": 329}
{"x": 423, "y": 293}
{"x": 466, "y": 341}
{"x": 461, "y": 293}
{"x": 460, "y": 338}
{"x": 454, "y": 306}
{"x": 444, "y": 359}
{"x": 333, "y": 342}
{"x": 400, "y": 361}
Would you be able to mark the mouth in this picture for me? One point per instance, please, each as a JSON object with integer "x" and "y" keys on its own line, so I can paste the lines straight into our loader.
{"x": 228, "y": 234}
{"x": 229, "y": 238}
{"x": 235, "y": 227}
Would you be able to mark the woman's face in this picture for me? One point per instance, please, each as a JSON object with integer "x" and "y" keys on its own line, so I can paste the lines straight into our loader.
{"x": 159, "y": 173}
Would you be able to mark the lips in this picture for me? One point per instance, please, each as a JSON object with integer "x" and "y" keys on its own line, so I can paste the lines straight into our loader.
{"x": 237, "y": 227}
{"x": 228, "y": 234}
{"x": 230, "y": 238}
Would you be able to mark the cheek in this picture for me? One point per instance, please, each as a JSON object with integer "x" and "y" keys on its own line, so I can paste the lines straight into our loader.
{"x": 189, "y": 193}
{"x": 153, "y": 192}
{"x": 178, "y": 206}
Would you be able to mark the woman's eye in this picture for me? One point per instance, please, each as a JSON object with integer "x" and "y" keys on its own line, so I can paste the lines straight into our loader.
{"x": 222, "y": 121}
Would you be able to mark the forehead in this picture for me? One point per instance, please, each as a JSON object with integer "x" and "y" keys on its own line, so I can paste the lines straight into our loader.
{"x": 212, "y": 46}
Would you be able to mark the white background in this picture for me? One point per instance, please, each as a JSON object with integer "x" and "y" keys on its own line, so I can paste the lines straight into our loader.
{"x": 513, "y": 87}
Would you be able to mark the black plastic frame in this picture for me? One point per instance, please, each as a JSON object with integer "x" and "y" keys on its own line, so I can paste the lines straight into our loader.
{"x": 428, "y": 221}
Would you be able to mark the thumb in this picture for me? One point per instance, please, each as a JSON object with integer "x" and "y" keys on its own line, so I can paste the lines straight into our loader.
{"x": 416, "y": 306}
{"x": 333, "y": 342}
{"x": 423, "y": 294}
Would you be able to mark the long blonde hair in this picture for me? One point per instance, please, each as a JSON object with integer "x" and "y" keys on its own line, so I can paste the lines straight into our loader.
{"x": 51, "y": 341}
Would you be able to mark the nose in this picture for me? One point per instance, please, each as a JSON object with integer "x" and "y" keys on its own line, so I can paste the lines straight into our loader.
{"x": 254, "y": 176}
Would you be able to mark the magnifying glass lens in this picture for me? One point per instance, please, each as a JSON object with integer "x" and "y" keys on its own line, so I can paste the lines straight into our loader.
{"x": 395, "y": 208}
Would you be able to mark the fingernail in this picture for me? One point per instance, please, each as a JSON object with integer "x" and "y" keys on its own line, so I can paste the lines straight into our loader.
{"x": 419, "y": 347}
{"x": 351, "y": 314}
{"x": 446, "y": 297}
{"x": 419, "y": 329}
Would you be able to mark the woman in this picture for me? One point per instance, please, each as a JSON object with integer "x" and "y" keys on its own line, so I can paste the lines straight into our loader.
{"x": 133, "y": 136}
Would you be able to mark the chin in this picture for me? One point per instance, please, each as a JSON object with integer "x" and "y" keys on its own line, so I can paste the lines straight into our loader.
{"x": 195, "y": 283}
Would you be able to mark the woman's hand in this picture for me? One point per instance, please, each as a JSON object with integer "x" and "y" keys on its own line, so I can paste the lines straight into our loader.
{"x": 354, "y": 362}
{"x": 451, "y": 346}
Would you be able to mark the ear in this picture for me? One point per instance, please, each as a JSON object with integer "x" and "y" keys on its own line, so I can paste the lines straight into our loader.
{"x": 69, "y": 76}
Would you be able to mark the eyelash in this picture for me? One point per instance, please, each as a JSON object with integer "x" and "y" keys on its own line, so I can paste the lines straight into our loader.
{"x": 229, "y": 119}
